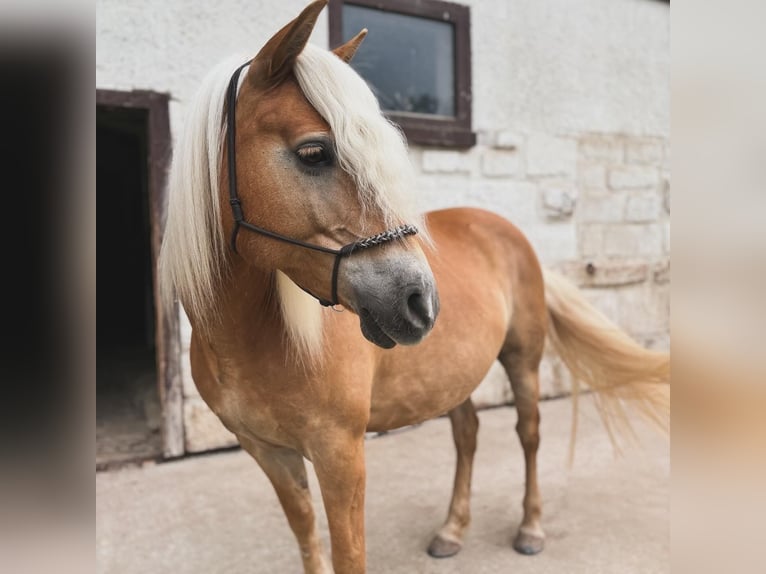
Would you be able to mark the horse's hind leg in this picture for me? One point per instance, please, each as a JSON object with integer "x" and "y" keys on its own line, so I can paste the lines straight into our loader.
{"x": 287, "y": 472}
{"x": 522, "y": 369}
{"x": 465, "y": 425}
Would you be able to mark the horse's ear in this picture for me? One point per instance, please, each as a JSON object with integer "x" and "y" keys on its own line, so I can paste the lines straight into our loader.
{"x": 346, "y": 51}
{"x": 276, "y": 59}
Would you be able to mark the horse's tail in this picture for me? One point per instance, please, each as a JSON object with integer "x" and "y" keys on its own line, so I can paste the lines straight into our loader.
{"x": 603, "y": 357}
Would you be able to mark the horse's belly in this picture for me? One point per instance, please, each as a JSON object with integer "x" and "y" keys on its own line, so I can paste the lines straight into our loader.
{"x": 417, "y": 396}
{"x": 417, "y": 383}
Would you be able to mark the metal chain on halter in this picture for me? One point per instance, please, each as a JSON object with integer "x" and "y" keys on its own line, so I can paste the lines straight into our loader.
{"x": 239, "y": 216}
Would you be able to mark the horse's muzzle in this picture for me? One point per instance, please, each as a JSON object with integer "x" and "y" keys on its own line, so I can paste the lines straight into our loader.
{"x": 405, "y": 317}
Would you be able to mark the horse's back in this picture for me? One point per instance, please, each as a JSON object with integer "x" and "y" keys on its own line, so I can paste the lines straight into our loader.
{"x": 489, "y": 283}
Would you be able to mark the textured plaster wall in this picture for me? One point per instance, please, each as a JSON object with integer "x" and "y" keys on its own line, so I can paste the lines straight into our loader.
{"x": 571, "y": 110}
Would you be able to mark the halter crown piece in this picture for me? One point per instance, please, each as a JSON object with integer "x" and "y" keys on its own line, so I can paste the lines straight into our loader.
{"x": 239, "y": 218}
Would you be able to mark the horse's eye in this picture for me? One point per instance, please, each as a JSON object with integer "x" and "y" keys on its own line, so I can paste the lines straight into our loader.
{"x": 314, "y": 155}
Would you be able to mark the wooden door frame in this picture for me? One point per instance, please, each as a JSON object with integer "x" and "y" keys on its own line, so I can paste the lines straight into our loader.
{"x": 167, "y": 338}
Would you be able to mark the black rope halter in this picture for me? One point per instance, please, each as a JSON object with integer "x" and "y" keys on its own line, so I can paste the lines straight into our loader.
{"x": 239, "y": 218}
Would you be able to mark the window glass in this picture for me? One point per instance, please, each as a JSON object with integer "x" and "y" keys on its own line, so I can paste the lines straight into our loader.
{"x": 408, "y": 61}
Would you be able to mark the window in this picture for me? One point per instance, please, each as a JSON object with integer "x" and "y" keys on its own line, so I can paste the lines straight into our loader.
{"x": 417, "y": 60}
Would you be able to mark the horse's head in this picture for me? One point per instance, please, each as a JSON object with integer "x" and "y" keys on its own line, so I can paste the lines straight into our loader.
{"x": 317, "y": 162}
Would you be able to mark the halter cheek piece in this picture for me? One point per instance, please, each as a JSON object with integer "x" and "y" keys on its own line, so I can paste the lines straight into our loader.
{"x": 239, "y": 219}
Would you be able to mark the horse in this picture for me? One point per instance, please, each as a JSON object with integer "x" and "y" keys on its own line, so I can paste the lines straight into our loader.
{"x": 289, "y": 188}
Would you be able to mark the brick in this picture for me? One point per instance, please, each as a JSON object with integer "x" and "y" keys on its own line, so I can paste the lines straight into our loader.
{"x": 591, "y": 239}
{"x": 499, "y": 163}
{"x": 203, "y": 430}
{"x": 605, "y": 273}
{"x": 644, "y": 310}
{"x": 666, "y": 161}
{"x": 639, "y": 310}
{"x": 515, "y": 200}
{"x": 644, "y": 152}
{"x": 508, "y": 140}
{"x": 553, "y": 241}
{"x": 643, "y": 208}
{"x": 592, "y": 176}
{"x": 437, "y": 161}
{"x": 602, "y": 208}
{"x": 602, "y": 149}
{"x": 666, "y": 194}
{"x": 558, "y": 202}
{"x": 548, "y": 155}
{"x": 605, "y": 300}
{"x": 661, "y": 272}
{"x": 633, "y": 240}
{"x": 633, "y": 177}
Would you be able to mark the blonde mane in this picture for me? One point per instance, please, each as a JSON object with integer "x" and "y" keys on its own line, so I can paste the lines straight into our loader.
{"x": 369, "y": 148}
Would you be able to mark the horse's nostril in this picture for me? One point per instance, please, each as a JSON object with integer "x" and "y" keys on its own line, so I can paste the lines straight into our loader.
{"x": 420, "y": 309}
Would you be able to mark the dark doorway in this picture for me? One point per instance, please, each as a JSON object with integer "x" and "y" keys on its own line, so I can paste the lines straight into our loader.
{"x": 128, "y": 411}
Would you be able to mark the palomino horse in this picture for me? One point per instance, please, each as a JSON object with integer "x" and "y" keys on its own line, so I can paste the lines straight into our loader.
{"x": 314, "y": 205}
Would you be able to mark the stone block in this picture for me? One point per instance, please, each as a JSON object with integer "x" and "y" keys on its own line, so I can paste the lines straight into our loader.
{"x": 661, "y": 272}
{"x": 499, "y": 163}
{"x": 441, "y": 191}
{"x": 633, "y": 177}
{"x": 643, "y": 208}
{"x": 644, "y": 309}
{"x": 553, "y": 241}
{"x": 605, "y": 273}
{"x": 592, "y": 176}
{"x": 603, "y": 208}
{"x": 591, "y": 239}
{"x": 645, "y": 152}
{"x": 603, "y": 149}
{"x": 438, "y": 161}
{"x": 633, "y": 240}
{"x": 508, "y": 140}
{"x": 203, "y": 429}
{"x": 640, "y": 310}
{"x": 666, "y": 194}
{"x": 514, "y": 200}
{"x": 558, "y": 202}
{"x": 548, "y": 155}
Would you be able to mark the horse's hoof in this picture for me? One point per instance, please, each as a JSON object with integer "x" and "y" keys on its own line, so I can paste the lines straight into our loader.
{"x": 441, "y": 548}
{"x": 528, "y": 544}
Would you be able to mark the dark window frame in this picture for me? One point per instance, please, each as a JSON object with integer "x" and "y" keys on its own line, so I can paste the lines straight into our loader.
{"x": 419, "y": 128}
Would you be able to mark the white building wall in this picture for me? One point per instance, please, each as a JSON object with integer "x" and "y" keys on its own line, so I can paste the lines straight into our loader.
{"x": 571, "y": 110}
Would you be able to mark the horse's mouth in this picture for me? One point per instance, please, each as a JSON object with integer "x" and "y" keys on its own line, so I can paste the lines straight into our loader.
{"x": 373, "y": 332}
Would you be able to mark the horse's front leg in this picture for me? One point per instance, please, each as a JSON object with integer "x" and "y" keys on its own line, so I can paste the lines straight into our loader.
{"x": 340, "y": 468}
{"x": 287, "y": 471}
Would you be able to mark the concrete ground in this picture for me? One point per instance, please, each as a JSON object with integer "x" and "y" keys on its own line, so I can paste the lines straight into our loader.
{"x": 218, "y": 513}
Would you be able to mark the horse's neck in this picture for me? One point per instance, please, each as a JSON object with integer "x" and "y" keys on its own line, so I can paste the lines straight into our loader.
{"x": 248, "y": 312}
